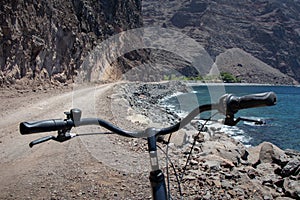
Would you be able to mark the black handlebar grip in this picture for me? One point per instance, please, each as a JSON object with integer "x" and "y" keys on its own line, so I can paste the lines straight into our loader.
{"x": 44, "y": 126}
{"x": 249, "y": 101}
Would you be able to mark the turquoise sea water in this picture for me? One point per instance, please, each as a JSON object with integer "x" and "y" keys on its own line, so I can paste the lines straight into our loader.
{"x": 282, "y": 120}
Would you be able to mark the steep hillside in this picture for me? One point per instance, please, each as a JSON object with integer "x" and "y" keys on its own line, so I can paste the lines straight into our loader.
{"x": 49, "y": 40}
{"x": 249, "y": 69}
{"x": 54, "y": 40}
{"x": 268, "y": 30}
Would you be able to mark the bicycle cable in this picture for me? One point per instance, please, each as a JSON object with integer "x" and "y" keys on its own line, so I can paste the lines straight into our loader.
{"x": 194, "y": 143}
{"x": 168, "y": 159}
{"x": 174, "y": 169}
{"x": 167, "y": 166}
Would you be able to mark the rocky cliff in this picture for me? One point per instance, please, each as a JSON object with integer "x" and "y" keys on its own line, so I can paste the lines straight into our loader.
{"x": 268, "y": 30}
{"x": 57, "y": 40}
{"x": 49, "y": 40}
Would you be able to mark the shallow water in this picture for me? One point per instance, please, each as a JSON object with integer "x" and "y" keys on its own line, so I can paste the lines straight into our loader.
{"x": 282, "y": 120}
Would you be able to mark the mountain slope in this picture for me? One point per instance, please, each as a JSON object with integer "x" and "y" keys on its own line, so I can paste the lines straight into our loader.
{"x": 268, "y": 30}
{"x": 249, "y": 69}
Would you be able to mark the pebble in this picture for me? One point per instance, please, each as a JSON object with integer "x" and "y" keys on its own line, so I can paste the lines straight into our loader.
{"x": 228, "y": 176}
{"x": 226, "y": 184}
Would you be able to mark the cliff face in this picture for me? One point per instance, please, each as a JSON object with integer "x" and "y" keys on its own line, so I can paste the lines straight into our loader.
{"x": 53, "y": 40}
{"x": 50, "y": 39}
{"x": 268, "y": 30}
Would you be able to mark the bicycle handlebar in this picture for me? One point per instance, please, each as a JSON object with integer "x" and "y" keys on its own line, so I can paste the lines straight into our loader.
{"x": 227, "y": 105}
{"x": 45, "y": 126}
{"x": 233, "y": 104}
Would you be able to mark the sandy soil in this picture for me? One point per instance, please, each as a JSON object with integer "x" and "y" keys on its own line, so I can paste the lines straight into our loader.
{"x": 87, "y": 168}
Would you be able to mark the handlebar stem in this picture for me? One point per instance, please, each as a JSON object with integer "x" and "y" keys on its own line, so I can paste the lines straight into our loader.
{"x": 153, "y": 153}
{"x": 157, "y": 178}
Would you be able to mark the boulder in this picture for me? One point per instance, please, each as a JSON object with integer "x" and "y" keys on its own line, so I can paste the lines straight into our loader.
{"x": 267, "y": 153}
{"x": 292, "y": 188}
{"x": 291, "y": 168}
{"x": 270, "y": 153}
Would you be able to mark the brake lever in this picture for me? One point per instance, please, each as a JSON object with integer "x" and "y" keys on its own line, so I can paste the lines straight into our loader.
{"x": 61, "y": 137}
{"x": 41, "y": 140}
{"x": 256, "y": 121}
{"x": 230, "y": 121}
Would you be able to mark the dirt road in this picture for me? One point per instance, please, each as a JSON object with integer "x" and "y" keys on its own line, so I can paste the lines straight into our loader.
{"x": 88, "y": 168}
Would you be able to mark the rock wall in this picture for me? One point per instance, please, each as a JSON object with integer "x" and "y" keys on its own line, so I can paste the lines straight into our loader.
{"x": 49, "y": 40}
{"x": 53, "y": 40}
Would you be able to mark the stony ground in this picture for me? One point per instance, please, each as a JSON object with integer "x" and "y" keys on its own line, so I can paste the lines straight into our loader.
{"x": 111, "y": 167}
{"x": 220, "y": 167}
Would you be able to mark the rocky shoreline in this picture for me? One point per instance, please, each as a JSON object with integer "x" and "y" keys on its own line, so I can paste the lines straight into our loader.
{"x": 220, "y": 167}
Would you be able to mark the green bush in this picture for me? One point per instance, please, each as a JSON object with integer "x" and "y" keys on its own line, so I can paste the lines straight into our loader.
{"x": 224, "y": 76}
{"x": 229, "y": 78}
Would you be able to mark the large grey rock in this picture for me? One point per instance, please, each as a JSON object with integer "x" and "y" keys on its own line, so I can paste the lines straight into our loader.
{"x": 291, "y": 168}
{"x": 292, "y": 187}
{"x": 270, "y": 153}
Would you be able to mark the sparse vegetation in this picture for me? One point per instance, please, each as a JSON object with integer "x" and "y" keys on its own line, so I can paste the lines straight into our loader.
{"x": 229, "y": 78}
{"x": 173, "y": 77}
{"x": 226, "y": 77}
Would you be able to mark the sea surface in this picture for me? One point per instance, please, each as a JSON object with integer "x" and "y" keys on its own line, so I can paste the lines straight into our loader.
{"x": 282, "y": 126}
